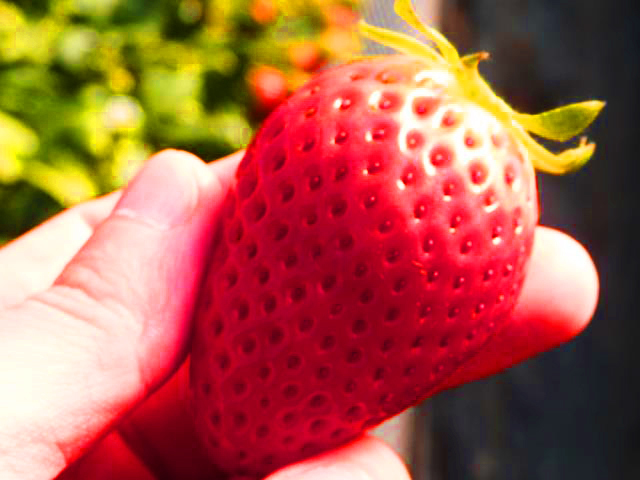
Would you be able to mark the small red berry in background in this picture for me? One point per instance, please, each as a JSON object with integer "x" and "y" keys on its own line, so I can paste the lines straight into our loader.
{"x": 269, "y": 87}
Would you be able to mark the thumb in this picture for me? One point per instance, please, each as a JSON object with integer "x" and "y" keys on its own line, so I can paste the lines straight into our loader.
{"x": 116, "y": 322}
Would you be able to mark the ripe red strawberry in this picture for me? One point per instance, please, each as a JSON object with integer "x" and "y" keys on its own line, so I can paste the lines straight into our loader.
{"x": 306, "y": 55}
{"x": 268, "y": 86}
{"x": 375, "y": 238}
{"x": 263, "y": 11}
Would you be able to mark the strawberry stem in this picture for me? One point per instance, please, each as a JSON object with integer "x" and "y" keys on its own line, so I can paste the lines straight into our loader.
{"x": 560, "y": 124}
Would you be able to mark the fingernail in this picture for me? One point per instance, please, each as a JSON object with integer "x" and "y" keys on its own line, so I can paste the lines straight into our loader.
{"x": 164, "y": 194}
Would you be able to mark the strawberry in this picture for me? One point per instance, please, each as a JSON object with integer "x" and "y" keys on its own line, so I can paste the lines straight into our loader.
{"x": 268, "y": 86}
{"x": 263, "y": 12}
{"x": 375, "y": 238}
{"x": 305, "y": 55}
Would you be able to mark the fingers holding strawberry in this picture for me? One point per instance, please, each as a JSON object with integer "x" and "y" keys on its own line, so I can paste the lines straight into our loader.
{"x": 86, "y": 378}
{"x": 558, "y": 300}
{"x": 88, "y": 334}
{"x": 556, "y": 303}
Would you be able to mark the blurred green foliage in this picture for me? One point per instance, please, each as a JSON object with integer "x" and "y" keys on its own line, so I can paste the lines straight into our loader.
{"x": 90, "y": 88}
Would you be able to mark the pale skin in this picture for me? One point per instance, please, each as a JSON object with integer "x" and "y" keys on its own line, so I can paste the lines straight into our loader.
{"x": 95, "y": 320}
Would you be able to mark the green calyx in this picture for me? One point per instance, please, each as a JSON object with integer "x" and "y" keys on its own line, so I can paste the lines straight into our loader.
{"x": 560, "y": 124}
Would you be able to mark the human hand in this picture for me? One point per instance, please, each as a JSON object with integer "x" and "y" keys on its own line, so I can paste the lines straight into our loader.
{"x": 95, "y": 319}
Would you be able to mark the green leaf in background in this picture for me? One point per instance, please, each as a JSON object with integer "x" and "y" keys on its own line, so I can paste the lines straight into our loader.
{"x": 12, "y": 23}
{"x": 17, "y": 142}
{"x": 128, "y": 156}
{"x": 67, "y": 181}
{"x": 90, "y": 88}
{"x": 76, "y": 47}
{"x": 184, "y": 86}
{"x": 95, "y": 9}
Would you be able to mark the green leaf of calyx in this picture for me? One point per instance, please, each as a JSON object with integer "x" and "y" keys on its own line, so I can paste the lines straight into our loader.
{"x": 399, "y": 41}
{"x": 560, "y": 124}
{"x": 404, "y": 9}
{"x": 563, "y": 123}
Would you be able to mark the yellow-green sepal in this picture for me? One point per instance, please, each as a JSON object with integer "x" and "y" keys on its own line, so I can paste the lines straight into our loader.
{"x": 556, "y": 163}
{"x": 404, "y": 9}
{"x": 401, "y": 42}
{"x": 561, "y": 124}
